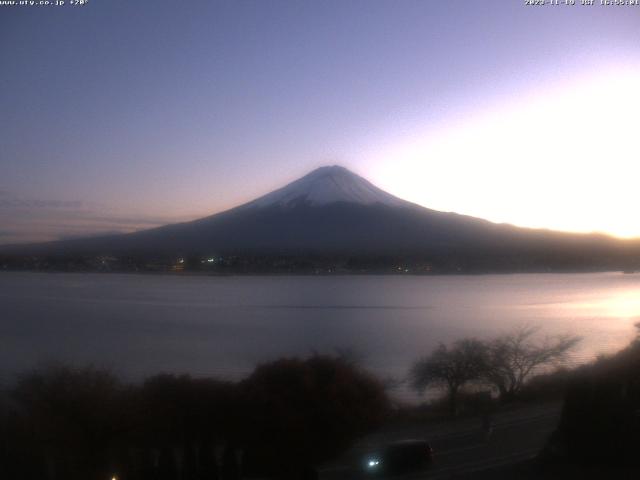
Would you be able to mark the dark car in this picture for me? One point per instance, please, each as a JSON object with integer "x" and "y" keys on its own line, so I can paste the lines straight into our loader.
{"x": 399, "y": 457}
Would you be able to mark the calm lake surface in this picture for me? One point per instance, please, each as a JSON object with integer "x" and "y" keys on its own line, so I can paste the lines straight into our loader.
{"x": 223, "y": 326}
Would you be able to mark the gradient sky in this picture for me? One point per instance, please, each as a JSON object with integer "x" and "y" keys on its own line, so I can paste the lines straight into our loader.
{"x": 121, "y": 115}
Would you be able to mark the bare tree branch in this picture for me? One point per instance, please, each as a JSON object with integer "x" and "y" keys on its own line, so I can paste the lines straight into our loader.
{"x": 512, "y": 358}
{"x": 450, "y": 367}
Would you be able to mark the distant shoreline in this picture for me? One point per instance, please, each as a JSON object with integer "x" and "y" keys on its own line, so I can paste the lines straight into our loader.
{"x": 322, "y": 274}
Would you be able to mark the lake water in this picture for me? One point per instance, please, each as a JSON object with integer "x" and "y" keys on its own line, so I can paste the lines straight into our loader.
{"x": 223, "y": 326}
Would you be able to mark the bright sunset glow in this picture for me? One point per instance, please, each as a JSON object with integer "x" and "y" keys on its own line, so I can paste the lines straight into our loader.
{"x": 623, "y": 305}
{"x": 563, "y": 156}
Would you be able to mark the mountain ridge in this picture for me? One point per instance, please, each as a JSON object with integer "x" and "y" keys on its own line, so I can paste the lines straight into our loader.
{"x": 332, "y": 212}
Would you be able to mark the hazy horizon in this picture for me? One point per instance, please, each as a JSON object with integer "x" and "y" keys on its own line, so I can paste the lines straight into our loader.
{"x": 148, "y": 224}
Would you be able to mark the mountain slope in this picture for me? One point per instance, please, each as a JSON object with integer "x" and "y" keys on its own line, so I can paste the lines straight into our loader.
{"x": 332, "y": 211}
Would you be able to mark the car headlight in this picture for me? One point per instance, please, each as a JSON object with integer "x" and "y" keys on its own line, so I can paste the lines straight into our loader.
{"x": 373, "y": 462}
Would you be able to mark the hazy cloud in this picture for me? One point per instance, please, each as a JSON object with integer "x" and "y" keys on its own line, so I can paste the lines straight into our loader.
{"x": 11, "y": 202}
{"x": 40, "y": 219}
{"x": 76, "y": 236}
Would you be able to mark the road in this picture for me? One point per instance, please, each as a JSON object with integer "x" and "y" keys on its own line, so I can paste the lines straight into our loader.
{"x": 460, "y": 446}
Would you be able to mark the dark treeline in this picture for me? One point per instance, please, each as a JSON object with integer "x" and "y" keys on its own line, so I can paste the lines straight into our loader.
{"x": 280, "y": 422}
{"x": 435, "y": 262}
{"x": 600, "y": 420}
{"x": 291, "y": 415}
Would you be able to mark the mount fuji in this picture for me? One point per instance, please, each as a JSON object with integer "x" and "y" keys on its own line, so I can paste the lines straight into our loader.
{"x": 332, "y": 211}
{"x": 327, "y": 185}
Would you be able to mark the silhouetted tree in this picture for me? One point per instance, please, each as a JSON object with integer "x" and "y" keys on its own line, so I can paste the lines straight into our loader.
{"x": 180, "y": 416}
{"x": 602, "y": 407}
{"x": 450, "y": 367}
{"x": 74, "y": 417}
{"x": 514, "y": 357}
{"x": 301, "y": 412}
{"x": 85, "y": 424}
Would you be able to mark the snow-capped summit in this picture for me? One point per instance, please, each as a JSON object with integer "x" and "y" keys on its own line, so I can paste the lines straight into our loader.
{"x": 327, "y": 185}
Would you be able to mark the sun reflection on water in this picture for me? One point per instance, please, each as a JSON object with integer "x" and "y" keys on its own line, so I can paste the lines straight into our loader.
{"x": 623, "y": 305}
